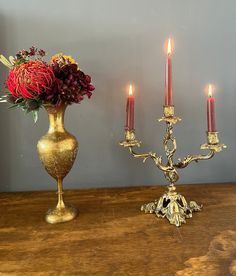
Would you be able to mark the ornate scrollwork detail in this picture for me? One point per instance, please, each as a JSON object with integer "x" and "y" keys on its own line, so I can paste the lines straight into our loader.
{"x": 172, "y": 176}
{"x": 190, "y": 158}
{"x": 172, "y": 205}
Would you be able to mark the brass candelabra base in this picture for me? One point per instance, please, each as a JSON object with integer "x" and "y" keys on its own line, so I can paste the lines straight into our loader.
{"x": 173, "y": 206}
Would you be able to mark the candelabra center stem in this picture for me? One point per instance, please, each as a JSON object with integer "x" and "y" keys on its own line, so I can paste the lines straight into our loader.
{"x": 171, "y": 187}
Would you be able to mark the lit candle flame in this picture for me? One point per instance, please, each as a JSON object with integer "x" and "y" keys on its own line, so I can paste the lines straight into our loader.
{"x": 169, "y": 47}
{"x": 210, "y": 89}
{"x": 130, "y": 90}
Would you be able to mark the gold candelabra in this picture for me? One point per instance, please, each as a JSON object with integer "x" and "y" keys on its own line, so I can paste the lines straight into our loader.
{"x": 171, "y": 204}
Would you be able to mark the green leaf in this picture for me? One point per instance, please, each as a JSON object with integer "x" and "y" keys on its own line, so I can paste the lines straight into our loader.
{"x": 20, "y": 61}
{"x": 6, "y": 92}
{"x": 3, "y": 98}
{"x": 13, "y": 106}
{"x": 35, "y": 115}
{"x": 19, "y": 100}
{"x": 6, "y": 62}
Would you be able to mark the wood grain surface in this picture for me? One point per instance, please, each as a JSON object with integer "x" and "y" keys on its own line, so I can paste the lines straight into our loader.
{"x": 112, "y": 237}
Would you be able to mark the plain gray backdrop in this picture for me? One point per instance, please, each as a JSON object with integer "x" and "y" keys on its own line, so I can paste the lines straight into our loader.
{"x": 117, "y": 42}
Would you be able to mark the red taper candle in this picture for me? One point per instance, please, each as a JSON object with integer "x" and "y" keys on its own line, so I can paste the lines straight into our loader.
{"x": 168, "y": 76}
{"x": 130, "y": 110}
{"x": 211, "y": 124}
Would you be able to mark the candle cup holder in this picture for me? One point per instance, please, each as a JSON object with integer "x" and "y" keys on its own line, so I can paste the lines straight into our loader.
{"x": 169, "y": 115}
{"x": 171, "y": 204}
{"x": 130, "y": 140}
{"x": 213, "y": 142}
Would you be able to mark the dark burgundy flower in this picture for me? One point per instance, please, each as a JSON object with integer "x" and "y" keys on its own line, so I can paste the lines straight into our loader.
{"x": 32, "y": 51}
{"x": 71, "y": 84}
{"x": 41, "y": 53}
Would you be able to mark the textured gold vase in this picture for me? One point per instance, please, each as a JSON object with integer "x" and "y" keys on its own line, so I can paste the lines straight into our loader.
{"x": 57, "y": 151}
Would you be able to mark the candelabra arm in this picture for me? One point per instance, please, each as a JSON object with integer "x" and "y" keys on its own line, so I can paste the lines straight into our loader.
{"x": 213, "y": 145}
{"x": 131, "y": 142}
{"x": 143, "y": 156}
{"x": 183, "y": 163}
{"x": 153, "y": 156}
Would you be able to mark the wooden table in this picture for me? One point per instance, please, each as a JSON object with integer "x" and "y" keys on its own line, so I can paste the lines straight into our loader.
{"x": 112, "y": 237}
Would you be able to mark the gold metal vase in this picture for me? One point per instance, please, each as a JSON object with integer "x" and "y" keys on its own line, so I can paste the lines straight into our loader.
{"x": 57, "y": 151}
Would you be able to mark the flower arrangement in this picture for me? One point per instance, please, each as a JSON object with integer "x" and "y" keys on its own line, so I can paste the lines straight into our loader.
{"x": 33, "y": 83}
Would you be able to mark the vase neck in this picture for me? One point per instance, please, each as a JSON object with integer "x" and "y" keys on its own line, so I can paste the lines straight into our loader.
{"x": 56, "y": 118}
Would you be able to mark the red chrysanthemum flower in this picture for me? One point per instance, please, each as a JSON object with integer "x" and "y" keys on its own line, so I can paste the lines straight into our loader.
{"x": 28, "y": 80}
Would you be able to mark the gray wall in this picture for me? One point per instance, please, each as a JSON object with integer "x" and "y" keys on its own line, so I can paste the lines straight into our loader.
{"x": 118, "y": 42}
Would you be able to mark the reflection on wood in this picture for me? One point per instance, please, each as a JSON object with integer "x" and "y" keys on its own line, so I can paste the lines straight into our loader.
{"x": 111, "y": 236}
{"x": 219, "y": 260}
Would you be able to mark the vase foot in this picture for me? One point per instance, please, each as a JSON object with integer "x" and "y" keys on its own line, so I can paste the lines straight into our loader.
{"x": 58, "y": 215}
